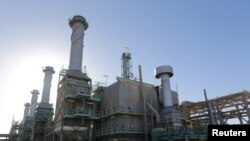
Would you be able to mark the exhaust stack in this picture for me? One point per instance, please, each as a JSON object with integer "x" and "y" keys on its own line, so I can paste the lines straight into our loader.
{"x": 78, "y": 25}
{"x": 165, "y": 72}
{"x": 35, "y": 94}
{"x": 49, "y": 71}
{"x": 26, "y": 110}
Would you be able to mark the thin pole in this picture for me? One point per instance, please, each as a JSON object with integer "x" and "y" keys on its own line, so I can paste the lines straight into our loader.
{"x": 144, "y": 105}
{"x": 210, "y": 114}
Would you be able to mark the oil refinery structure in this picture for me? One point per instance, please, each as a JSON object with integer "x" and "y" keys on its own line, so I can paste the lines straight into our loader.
{"x": 127, "y": 110}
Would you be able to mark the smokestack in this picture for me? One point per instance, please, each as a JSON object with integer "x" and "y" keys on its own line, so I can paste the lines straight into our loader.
{"x": 26, "y": 110}
{"x": 49, "y": 71}
{"x": 78, "y": 25}
{"x": 33, "y": 102}
{"x": 165, "y": 72}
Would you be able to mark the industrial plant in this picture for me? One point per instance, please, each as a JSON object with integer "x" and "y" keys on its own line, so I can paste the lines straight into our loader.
{"x": 127, "y": 110}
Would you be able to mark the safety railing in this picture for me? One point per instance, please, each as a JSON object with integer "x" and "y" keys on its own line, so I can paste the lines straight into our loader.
{"x": 81, "y": 112}
{"x": 75, "y": 91}
{"x": 87, "y": 112}
{"x": 43, "y": 116}
{"x": 121, "y": 110}
{"x": 119, "y": 130}
{"x": 182, "y": 133}
{"x": 95, "y": 97}
{"x": 78, "y": 111}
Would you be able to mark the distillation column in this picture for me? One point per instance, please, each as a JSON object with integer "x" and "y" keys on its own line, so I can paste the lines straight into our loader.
{"x": 78, "y": 25}
{"x": 33, "y": 102}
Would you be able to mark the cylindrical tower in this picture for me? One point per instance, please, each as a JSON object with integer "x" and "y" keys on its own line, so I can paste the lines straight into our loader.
{"x": 26, "y": 110}
{"x": 49, "y": 71}
{"x": 165, "y": 72}
{"x": 33, "y": 102}
{"x": 78, "y": 25}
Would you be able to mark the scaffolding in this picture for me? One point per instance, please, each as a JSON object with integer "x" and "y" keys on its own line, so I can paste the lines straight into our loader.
{"x": 76, "y": 108}
{"x": 25, "y": 129}
{"x": 43, "y": 123}
{"x": 232, "y": 106}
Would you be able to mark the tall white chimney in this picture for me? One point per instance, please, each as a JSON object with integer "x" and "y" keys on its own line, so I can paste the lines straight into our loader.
{"x": 26, "y": 110}
{"x": 33, "y": 102}
{"x": 165, "y": 72}
{"x": 78, "y": 25}
{"x": 49, "y": 71}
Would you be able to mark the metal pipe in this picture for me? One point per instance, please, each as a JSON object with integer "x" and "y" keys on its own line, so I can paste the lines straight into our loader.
{"x": 144, "y": 105}
{"x": 78, "y": 25}
{"x": 49, "y": 71}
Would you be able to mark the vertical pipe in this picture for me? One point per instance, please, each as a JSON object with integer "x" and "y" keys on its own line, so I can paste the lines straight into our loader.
{"x": 49, "y": 71}
{"x": 144, "y": 105}
{"x": 151, "y": 112}
{"x": 210, "y": 113}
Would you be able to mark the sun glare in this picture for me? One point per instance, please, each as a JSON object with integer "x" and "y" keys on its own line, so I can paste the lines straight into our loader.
{"x": 27, "y": 74}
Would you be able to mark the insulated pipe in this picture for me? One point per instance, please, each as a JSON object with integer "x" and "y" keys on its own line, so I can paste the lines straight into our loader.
{"x": 49, "y": 71}
{"x": 26, "y": 110}
{"x": 165, "y": 72}
{"x": 78, "y": 25}
{"x": 33, "y": 102}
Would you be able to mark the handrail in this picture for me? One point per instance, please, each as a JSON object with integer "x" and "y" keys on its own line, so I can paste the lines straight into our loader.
{"x": 181, "y": 132}
{"x": 78, "y": 90}
{"x": 115, "y": 130}
{"x": 108, "y": 112}
{"x": 122, "y": 110}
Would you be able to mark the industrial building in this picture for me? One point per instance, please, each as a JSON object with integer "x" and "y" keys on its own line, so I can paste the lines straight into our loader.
{"x": 128, "y": 109}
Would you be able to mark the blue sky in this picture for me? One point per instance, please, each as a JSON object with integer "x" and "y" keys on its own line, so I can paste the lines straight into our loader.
{"x": 207, "y": 42}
